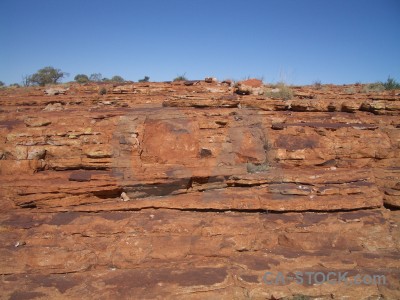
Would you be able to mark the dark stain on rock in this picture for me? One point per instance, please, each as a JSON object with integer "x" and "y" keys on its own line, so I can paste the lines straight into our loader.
{"x": 221, "y": 123}
{"x": 227, "y": 243}
{"x": 114, "y": 216}
{"x": 23, "y": 221}
{"x": 347, "y": 262}
{"x": 257, "y": 263}
{"x": 375, "y": 221}
{"x": 80, "y": 176}
{"x": 250, "y": 278}
{"x": 332, "y": 125}
{"x": 313, "y": 218}
{"x": 64, "y": 218}
{"x": 229, "y": 97}
{"x": 278, "y": 126}
{"x": 296, "y": 253}
{"x": 122, "y": 140}
{"x": 151, "y": 278}
{"x": 201, "y": 276}
{"x": 349, "y": 216}
{"x": 158, "y": 189}
{"x": 284, "y": 218}
{"x": 59, "y": 281}
{"x": 276, "y": 196}
{"x": 328, "y": 163}
{"x": 10, "y": 124}
{"x": 362, "y": 183}
{"x": 25, "y": 295}
{"x": 371, "y": 255}
{"x": 177, "y": 126}
{"x": 291, "y": 142}
{"x": 205, "y": 152}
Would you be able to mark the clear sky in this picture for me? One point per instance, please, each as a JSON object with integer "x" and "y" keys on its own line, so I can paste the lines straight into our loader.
{"x": 298, "y": 41}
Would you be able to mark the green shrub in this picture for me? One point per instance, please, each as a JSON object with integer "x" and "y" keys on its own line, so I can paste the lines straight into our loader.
{"x": 103, "y": 91}
{"x": 145, "y": 79}
{"x": 2, "y": 84}
{"x": 391, "y": 84}
{"x": 373, "y": 87}
{"x": 350, "y": 90}
{"x": 280, "y": 91}
{"x": 96, "y": 77}
{"x": 81, "y": 78}
{"x": 317, "y": 85}
{"x": 117, "y": 78}
{"x": 181, "y": 78}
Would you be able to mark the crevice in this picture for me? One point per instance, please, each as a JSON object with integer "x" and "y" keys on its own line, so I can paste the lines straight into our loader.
{"x": 391, "y": 207}
{"x": 246, "y": 185}
{"x": 50, "y": 273}
{"x": 30, "y": 204}
{"x": 236, "y": 210}
{"x": 79, "y": 168}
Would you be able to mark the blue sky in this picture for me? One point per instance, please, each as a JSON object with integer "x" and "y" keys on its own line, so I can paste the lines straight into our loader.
{"x": 300, "y": 42}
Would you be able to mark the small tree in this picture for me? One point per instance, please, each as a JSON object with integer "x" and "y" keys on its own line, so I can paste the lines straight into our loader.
{"x": 103, "y": 91}
{"x": 318, "y": 84}
{"x": 2, "y": 84}
{"x": 117, "y": 78}
{"x": 81, "y": 78}
{"x": 26, "y": 80}
{"x": 47, "y": 75}
{"x": 181, "y": 77}
{"x": 96, "y": 77}
{"x": 145, "y": 79}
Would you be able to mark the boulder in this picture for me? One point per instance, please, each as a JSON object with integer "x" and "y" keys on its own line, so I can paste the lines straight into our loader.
{"x": 55, "y": 91}
{"x": 36, "y": 153}
{"x": 210, "y": 79}
{"x": 36, "y": 122}
{"x": 250, "y": 87}
{"x": 54, "y": 107}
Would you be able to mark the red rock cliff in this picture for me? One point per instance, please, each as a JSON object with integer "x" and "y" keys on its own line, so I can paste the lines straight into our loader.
{"x": 189, "y": 191}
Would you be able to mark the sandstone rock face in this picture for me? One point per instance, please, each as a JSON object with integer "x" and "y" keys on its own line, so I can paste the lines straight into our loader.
{"x": 176, "y": 191}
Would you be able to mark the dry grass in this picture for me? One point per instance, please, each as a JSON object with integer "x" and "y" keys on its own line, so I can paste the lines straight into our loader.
{"x": 279, "y": 91}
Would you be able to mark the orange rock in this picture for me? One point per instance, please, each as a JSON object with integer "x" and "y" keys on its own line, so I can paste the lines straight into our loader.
{"x": 250, "y": 87}
{"x": 164, "y": 189}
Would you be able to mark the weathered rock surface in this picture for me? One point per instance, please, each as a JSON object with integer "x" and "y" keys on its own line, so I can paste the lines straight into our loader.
{"x": 170, "y": 190}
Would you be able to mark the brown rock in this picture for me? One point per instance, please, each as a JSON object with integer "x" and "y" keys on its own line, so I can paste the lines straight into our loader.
{"x": 250, "y": 87}
{"x": 227, "y": 82}
{"x": 54, "y": 107}
{"x": 211, "y": 79}
{"x": 36, "y": 153}
{"x": 222, "y": 189}
{"x": 37, "y": 122}
{"x": 55, "y": 91}
{"x": 97, "y": 151}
